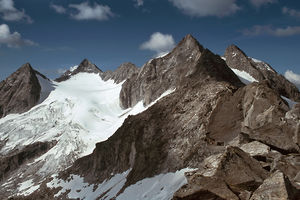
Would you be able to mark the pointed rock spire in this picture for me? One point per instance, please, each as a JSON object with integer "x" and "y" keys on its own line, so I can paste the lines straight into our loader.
{"x": 237, "y": 59}
{"x": 188, "y": 58}
{"x": 20, "y": 91}
{"x": 84, "y": 66}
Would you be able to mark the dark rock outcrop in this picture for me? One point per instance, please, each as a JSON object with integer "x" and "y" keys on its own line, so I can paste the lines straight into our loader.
{"x": 237, "y": 59}
{"x": 161, "y": 74}
{"x": 226, "y": 176}
{"x": 123, "y": 72}
{"x": 18, "y": 157}
{"x": 84, "y": 66}
{"x": 20, "y": 91}
{"x": 277, "y": 186}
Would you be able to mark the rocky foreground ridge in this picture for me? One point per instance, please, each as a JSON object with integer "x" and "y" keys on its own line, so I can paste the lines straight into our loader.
{"x": 239, "y": 141}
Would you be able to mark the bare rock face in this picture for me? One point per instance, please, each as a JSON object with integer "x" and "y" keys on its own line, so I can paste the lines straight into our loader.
{"x": 84, "y": 66}
{"x": 227, "y": 176}
{"x": 20, "y": 91}
{"x": 161, "y": 74}
{"x": 259, "y": 112}
{"x": 237, "y": 59}
{"x": 277, "y": 186}
{"x": 123, "y": 72}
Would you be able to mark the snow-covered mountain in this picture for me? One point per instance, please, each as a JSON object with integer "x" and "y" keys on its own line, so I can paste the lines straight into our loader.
{"x": 187, "y": 125}
{"x": 77, "y": 114}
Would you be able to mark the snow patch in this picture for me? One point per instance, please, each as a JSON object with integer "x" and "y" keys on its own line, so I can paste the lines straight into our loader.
{"x": 290, "y": 102}
{"x": 262, "y": 65}
{"x": 79, "y": 189}
{"x": 46, "y": 88}
{"x": 27, "y": 187}
{"x": 160, "y": 187}
{"x": 73, "y": 68}
{"x": 244, "y": 76}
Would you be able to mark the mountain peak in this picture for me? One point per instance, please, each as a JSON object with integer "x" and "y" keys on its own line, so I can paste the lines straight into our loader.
{"x": 123, "y": 72}
{"x": 235, "y": 50}
{"x": 189, "y": 42}
{"x": 85, "y": 66}
{"x": 20, "y": 91}
{"x": 26, "y": 68}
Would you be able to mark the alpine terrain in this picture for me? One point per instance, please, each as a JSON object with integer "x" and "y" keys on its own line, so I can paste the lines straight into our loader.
{"x": 185, "y": 126}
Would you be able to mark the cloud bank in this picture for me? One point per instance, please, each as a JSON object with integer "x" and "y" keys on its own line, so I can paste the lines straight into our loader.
{"x": 85, "y": 11}
{"x": 202, "y": 8}
{"x": 8, "y": 12}
{"x": 159, "y": 43}
{"x": 291, "y": 12}
{"x": 59, "y": 9}
{"x": 269, "y": 30}
{"x": 14, "y": 40}
{"x": 293, "y": 77}
{"x": 259, "y": 3}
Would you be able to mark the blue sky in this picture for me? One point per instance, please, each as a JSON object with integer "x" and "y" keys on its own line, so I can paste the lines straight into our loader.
{"x": 55, "y": 35}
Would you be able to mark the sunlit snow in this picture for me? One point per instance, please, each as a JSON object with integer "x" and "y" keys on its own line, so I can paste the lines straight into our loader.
{"x": 244, "y": 76}
{"x": 159, "y": 187}
{"x": 78, "y": 113}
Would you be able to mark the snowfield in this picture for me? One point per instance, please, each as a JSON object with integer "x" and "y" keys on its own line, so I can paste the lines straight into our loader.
{"x": 77, "y": 114}
{"x": 160, "y": 187}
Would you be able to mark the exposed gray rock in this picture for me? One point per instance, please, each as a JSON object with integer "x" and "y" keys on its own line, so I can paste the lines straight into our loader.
{"x": 20, "y": 91}
{"x": 277, "y": 186}
{"x": 237, "y": 59}
{"x": 123, "y": 72}
{"x": 84, "y": 66}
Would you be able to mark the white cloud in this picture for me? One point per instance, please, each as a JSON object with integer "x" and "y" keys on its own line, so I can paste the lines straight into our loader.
{"x": 87, "y": 12}
{"x": 201, "y": 8}
{"x": 268, "y": 30}
{"x": 8, "y": 12}
{"x": 139, "y": 3}
{"x": 160, "y": 43}
{"x": 13, "y": 39}
{"x": 291, "y": 12}
{"x": 293, "y": 77}
{"x": 259, "y": 3}
{"x": 59, "y": 9}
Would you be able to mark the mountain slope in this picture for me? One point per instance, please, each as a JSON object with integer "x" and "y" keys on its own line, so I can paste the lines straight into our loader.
{"x": 80, "y": 111}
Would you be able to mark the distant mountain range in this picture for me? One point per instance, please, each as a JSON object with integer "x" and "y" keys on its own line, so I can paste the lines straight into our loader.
{"x": 187, "y": 125}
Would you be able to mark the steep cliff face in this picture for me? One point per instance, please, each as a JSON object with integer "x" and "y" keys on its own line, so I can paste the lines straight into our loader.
{"x": 123, "y": 72}
{"x": 84, "y": 66}
{"x": 20, "y": 91}
{"x": 237, "y": 59}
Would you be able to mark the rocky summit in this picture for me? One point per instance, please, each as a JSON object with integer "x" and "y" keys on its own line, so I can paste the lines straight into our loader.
{"x": 20, "y": 91}
{"x": 84, "y": 66}
{"x": 184, "y": 126}
{"x": 259, "y": 70}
